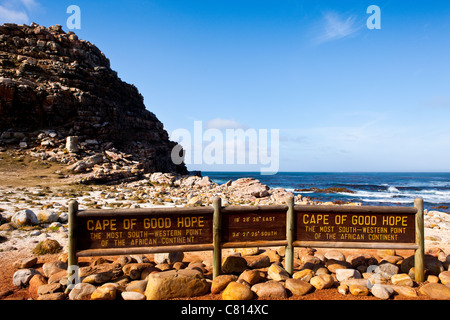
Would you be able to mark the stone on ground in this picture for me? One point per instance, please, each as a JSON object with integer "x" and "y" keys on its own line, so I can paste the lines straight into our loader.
{"x": 176, "y": 284}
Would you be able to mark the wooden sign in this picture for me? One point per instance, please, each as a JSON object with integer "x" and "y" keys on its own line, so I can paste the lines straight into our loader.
{"x": 355, "y": 227}
{"x": 242, "y": 224}
{"x": 152, "y": 230}
{"x": 140, "y": 231}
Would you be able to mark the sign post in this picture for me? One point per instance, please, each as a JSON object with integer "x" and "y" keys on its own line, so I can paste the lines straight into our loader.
{"x": 419, "y": 268}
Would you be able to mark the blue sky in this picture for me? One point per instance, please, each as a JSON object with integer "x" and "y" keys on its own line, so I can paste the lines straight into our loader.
{"x": 345, "y": 98}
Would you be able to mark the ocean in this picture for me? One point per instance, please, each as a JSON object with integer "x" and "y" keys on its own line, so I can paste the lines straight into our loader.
{"x": 369, "y": 188}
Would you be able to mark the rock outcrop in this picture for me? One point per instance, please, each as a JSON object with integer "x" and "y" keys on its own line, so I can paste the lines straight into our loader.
{"x": 51, "y": 80}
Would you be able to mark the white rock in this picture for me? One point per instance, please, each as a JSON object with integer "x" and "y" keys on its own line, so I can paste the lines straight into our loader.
{"x": 22, "y": 277}
{"x": 345, "y": 274}
{"x": 132, "y": 295}
{"x": 24, "y": 218}
{"x": 382, "y": 291}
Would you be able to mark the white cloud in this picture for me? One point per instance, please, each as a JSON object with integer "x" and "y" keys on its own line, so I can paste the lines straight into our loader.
{"x": 335, "y": 26}
{"x": 219, "y": 123}
{"x": 17, "y": 11}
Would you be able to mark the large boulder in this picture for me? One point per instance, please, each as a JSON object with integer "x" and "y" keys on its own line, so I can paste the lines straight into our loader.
{"x": 176, "y": 284}
{"x": 249, "y": 187}
{"x": 23, "y": 218}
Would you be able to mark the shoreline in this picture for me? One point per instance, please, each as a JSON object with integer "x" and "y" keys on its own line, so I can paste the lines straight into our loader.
{"x": 50, "y": 204}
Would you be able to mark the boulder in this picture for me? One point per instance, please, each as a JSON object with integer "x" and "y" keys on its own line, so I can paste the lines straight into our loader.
{"x": 270, "y": 289}
{"x": 47, "y": 216}
{"x": 234, "y": 264}
{"x": 250, "y": 276}
{"x": 72, "y": 144}
{"x": 322, "y": 281}
{"x": 35, "y": 282}
{"x": 221, "y": 282}
{"x": 237, "y": 291}
{"x": 132, "y": 295}
{"x": 382, "y": 291}
{"x": 53, "y": 296}
{"x": 258, "y": 261}
{"x": 50, "y": 288}
{"x": 358, "y": 290}
{"x": 402, "y": 279}
{"x": 48, "y": 246}
{"x": 98, "y": 278}
{"x": 298, "y": 287}
{"x": 106, "y": 291}
{"x": 334, "y": 255}
{"x": 176, "y": 284}
{"x": 249, "y": 187}
{"x": 305, "y": 275}
{"x": 387, "y": 270}
{"x": 436, "y": 291}
{"x": 22, "y": 277}
{"x": 23, "y": 218}
{"x": 405, "y": 291}
{"x": 137, "y": 286}
{"x": 345, "y": 274}
{"x": 277, "y": 272}
{"x": 444, "y": 276}
{"x": 81, "y": 291}
{"x": 25, "y": 263}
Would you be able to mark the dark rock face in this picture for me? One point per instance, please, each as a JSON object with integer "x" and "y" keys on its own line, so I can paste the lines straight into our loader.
{"x": 50, "y": 79}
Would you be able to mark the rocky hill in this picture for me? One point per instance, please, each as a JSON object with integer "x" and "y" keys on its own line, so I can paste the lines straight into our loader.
{"x": 54, "y": 85}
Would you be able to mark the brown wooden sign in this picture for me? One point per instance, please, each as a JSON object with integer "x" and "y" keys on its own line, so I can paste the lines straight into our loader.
{"x": 152, "y": 230}
{"x": 242, "y": 224}
{"x": 144, "y": 231}
{"x": 355, "y": 227}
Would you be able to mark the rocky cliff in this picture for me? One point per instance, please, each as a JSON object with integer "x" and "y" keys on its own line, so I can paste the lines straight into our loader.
{"x": 51, "y": 80}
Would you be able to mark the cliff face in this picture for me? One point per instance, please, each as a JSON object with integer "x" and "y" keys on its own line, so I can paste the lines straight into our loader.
{"x": 50, "y": 79}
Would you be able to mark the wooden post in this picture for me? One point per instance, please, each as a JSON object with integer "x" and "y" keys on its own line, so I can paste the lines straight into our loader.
{"x": 72, "y": 260}
{"x": 217, "y": 237}
{"x": 290, "y": 229}
{"x": 419, "y": 266}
